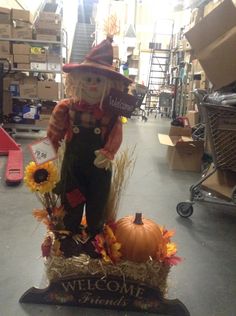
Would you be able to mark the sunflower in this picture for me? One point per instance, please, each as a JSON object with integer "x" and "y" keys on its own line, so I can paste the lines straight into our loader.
{"x": 41, "y": 178}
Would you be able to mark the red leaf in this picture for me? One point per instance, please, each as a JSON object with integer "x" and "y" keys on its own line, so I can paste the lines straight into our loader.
{"x": 75, "y": 197}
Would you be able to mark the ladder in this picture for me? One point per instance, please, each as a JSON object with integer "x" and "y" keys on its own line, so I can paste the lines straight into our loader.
{"x": 159, "y": 74}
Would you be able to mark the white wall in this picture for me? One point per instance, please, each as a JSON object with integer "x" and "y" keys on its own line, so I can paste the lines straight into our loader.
{"x": 70, "y": 14}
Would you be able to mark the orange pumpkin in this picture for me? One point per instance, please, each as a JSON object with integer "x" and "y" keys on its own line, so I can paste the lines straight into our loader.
{"x": 140, "y": 238}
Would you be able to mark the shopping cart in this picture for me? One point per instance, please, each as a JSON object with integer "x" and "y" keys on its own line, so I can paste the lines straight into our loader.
{"x": 199, "y": 129}
{"x": 165, "y": 103}
{"x": 139, "y": 91}
{"x": 220, "y": 124}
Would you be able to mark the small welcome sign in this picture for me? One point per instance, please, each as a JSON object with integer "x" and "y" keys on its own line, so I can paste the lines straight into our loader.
{"x": 120, "y": 103}
{"x": 107, "y": 293}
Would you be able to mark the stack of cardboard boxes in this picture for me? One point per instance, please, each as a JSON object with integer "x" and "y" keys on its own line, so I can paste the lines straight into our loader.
{"x": 23, "y": 91}
{"x": 5, "y": 22}
{"x": 213, "y": 49}
{"x": 48, "y": 26}
{"x": 16, "y": 23}
{"x": 24, "y": 95}
{"x": 198, "y": 41}
{"x": 38, "y": 57}
{"x": 213, "y": 40}
{"x": 21, "y": 24}
{"x": 21, "y": 86}
{"x": 24, "y": 110}
{"x": 21, "y": 55}
{"x": 5, "y": 32}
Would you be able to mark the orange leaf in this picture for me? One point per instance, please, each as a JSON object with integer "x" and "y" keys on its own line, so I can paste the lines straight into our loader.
{"x": 58, "y": 211}
{"x": 84, "y": 222}
{"x": 40, "y": 215}
{"x": 168, "y": 234}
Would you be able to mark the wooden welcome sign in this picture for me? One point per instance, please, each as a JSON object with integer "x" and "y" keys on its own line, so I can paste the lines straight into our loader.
{"x": 120, "y": 103}
{"x": 107, "y": 293}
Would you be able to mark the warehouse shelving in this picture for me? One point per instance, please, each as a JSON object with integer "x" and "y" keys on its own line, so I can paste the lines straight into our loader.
{"x": 16, "y": 127}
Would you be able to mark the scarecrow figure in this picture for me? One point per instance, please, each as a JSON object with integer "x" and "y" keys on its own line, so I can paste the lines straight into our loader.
{"x": 92, "y": 134}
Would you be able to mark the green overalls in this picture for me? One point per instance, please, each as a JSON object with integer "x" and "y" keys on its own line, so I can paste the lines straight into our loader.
{"x": 88, "y": 185}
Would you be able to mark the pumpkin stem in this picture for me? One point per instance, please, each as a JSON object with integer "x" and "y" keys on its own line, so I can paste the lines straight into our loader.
{"x": 138, "y": 219}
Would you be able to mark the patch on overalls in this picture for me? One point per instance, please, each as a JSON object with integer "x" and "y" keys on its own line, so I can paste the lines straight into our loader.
{"x": 75, "y": 197}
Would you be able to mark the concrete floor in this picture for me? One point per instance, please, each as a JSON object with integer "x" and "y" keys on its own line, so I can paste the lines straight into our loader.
{"x": 206, "y": 279}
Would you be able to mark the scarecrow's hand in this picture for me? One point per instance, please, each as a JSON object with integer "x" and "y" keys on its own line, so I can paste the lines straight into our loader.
{"x": 102, "y": 161}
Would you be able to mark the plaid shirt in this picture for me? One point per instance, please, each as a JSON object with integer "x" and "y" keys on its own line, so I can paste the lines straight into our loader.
{"x": 62, "y": 122}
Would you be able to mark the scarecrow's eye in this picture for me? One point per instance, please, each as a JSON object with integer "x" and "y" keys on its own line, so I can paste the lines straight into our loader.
{"x": 88, "y": 79}
{"x": 98, "y": 79}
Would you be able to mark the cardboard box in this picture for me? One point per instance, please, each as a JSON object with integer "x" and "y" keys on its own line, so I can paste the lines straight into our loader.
{"x": 214, "y": 44}
{"x": 180, "y": 131}
{"x": 22, "y": 33}
{"x": 46, "y": 38}
{"x": 23, "y": 66}
{"x": 211, "y": 6}
{"x": 49, "y": 16}
{"x": 52, "y": 25}
{"x": 22, "y": 15}
{"x": 38, "y": 58}
{"x": 196, "y": 15}
{"x": 54, "y": 67}
{"x": 7, "y": 56}
{"x": 4, "y": 10}
{"x": 21, "y": 59}
{"x": 187, "y": 57}
{"x": 21, "y": 49}
{"x": 38, "y": 66}
{"x": 5, "y": 16}
{"x": 28, "y": 90}
{"x": 55, "y": 32}
{"x": 196, "y": 66}
{"x": 4, "y": 47}
{"x": 30, "y": 80}
{"x": 14, "y": 89}
{"x": 200, "y": 81}
{"x": 193, "y": 117}
{"x": 18, "y": 24}
{"x": 221, "y": 183}
{"x": 5, "y": 30}
{"x": 54, "y": 59}
{"x": 186, "y": 45}
{"x": 6, "y": 83}
{"x": 43, "y": 120}
{"x": 7, "y": 103}
{"x": 48, "y": 90}
{"x": 183, "y": 153}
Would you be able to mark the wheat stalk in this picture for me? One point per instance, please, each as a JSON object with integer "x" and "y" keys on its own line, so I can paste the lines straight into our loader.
{"x": 111, "y": 26}
{"x": 123, "y": 167}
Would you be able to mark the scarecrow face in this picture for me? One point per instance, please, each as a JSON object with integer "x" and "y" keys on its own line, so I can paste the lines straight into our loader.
{"x": 93, "y": 86}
